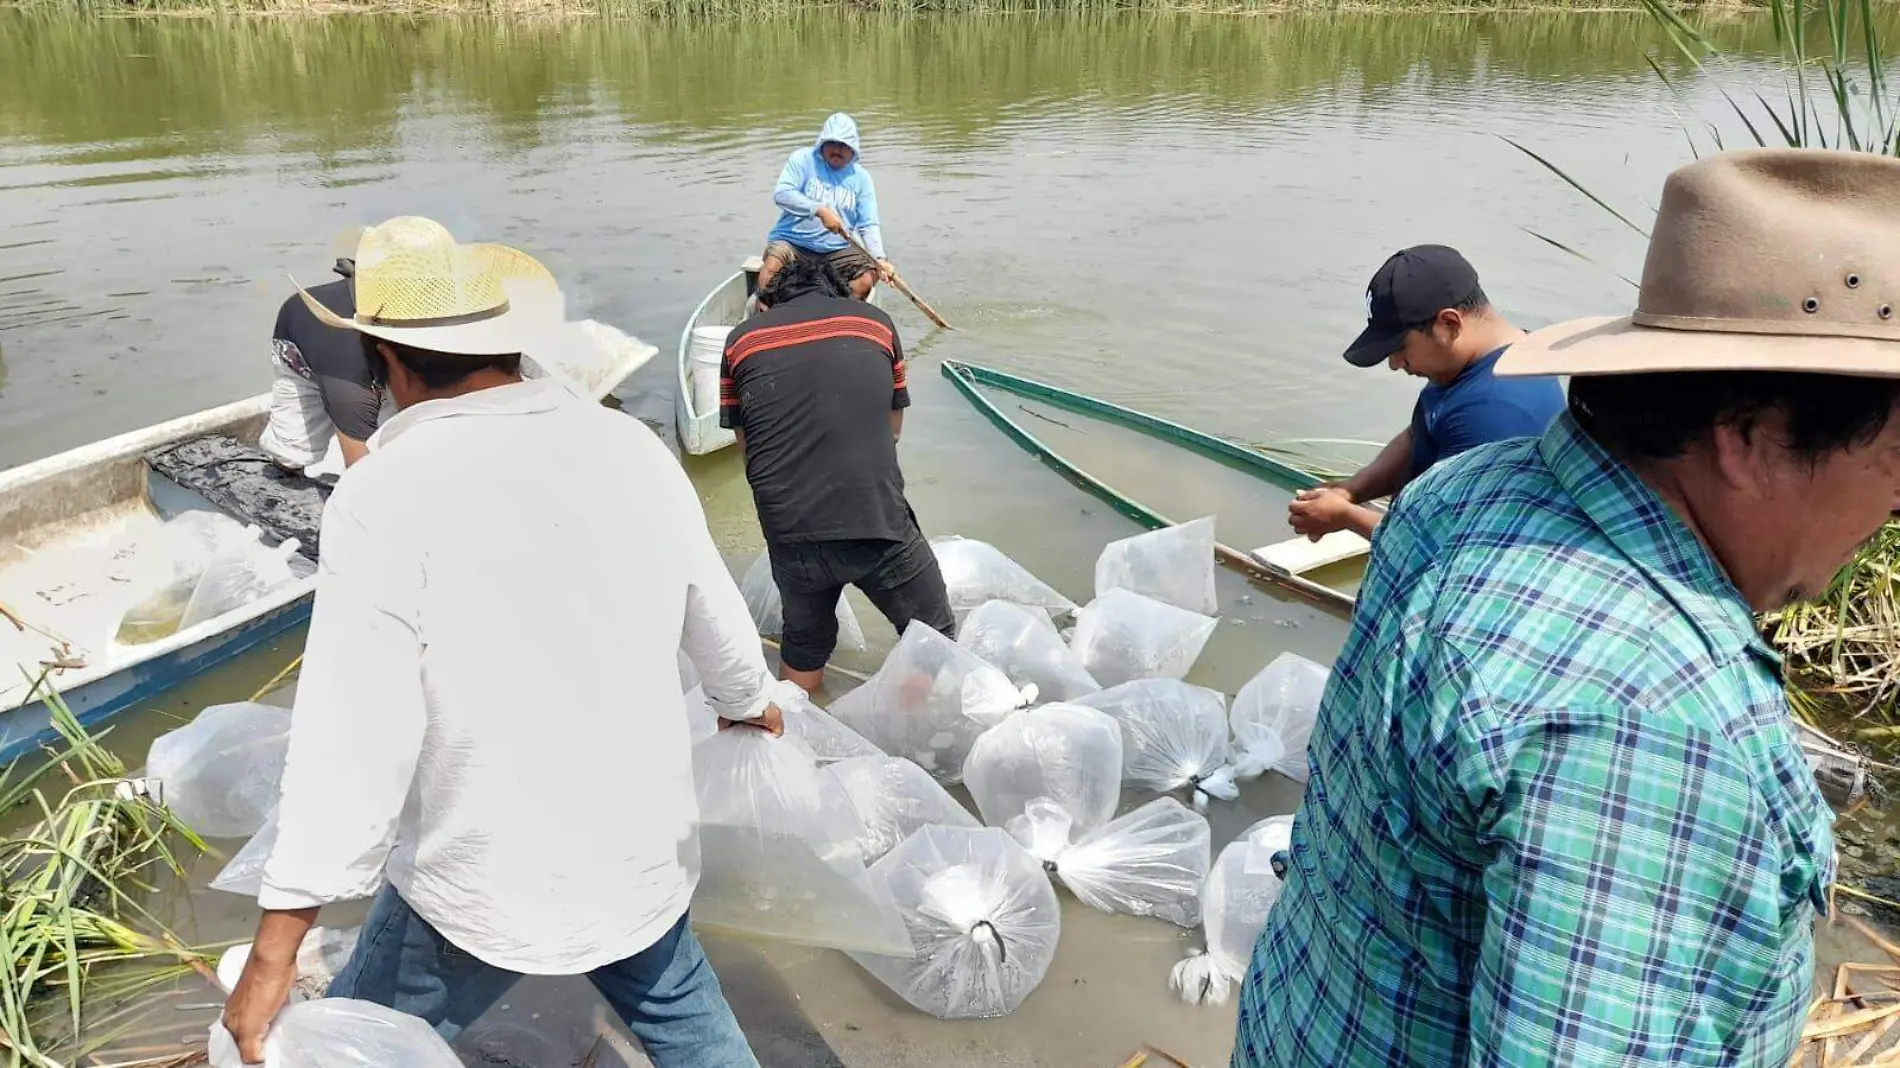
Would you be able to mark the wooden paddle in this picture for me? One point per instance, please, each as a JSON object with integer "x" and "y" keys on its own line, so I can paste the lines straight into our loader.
{"x": 897, "y": 283}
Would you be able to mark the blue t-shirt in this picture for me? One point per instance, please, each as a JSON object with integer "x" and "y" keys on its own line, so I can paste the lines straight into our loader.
{"x": 1479, "y": 408}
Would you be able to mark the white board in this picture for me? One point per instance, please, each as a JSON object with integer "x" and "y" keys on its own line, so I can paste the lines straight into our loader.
{"x": 1297, "y": 555}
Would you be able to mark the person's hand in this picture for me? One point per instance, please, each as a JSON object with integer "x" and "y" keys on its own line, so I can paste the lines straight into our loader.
{"x": 885, "y": 271}
{"x": 831, "y": 219}
{"x": 771, "y": 721}
{"x": 262, "y": 990}
{"x": 1320, "y": 511}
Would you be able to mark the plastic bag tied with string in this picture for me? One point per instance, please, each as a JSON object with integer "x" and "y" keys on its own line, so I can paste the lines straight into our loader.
{"x": 1150, "y": 862}
{"x": 779, "y": 854}
{"x": 768, "y": 606}
{"x": 1174, "y": 737}
{"x": 220, "y": 773}
{"x": 982, "y": 916}
{"x": 895, "y": 798}
{"x": 1023, "y": 643}
{"x": 1274, "y": 715}
{"x": 340, "y": 1033}
{"x": 1123, "y": 636}
{"x": 1067, "y": 754}
{"x": 1240, "y": 890}
{"x": 930, "y": 702}
{"x": 976, "y": 571}
{"x": 1173, "y": 565}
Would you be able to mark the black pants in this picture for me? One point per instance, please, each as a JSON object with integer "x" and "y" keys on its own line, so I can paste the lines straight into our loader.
{"x": 900, "y": 577}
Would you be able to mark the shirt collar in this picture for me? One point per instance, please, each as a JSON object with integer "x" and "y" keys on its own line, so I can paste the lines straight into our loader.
{"x": 517, "y": 398}
{"x": 1647, "y": 531}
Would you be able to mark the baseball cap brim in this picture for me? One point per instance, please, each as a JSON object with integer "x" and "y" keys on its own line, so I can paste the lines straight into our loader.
{"x": 1374, "y": 345}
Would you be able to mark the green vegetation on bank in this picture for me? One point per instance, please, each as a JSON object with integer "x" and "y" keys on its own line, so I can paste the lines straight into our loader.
{"x": 556, "y": 9}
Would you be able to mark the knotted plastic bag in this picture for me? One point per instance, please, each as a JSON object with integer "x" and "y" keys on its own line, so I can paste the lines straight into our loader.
{"x": 779, "y": 853}
{"x": 1122, "y": 636}
{"x": 1173, "y": 565}
{"x": 340, "y": 1033}
{"x": 982, "y": 917}
{"x": 929, "y": 702}
{"x": 1174, "y": 736}
{"x": 894, "y": 798}
{"x": 1274, "y": 714}
{"x": 976, "y": 571}
{"x": 1023, "y": 643}
{"x": 1150, "y": 862}
{"x": 821, "y": 732}
{"x": 768, "y": 606}
{"x": 1068, "y": 754}
{"x": 1235, "y": 900}
{"x": 220, "y": 772}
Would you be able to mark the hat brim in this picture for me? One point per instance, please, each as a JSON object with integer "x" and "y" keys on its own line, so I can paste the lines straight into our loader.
{"x": 1374, "y": 346}
{"x": 532, "y": 311}
{"x": 1609, "y": 345}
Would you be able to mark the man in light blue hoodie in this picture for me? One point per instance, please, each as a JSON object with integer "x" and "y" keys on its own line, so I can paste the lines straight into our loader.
{"x": 824, "y": 194}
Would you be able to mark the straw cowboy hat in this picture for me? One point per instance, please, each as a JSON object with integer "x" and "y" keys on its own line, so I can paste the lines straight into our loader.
{"x": 1761, "y": 260}
{"x": 416, "y": 286}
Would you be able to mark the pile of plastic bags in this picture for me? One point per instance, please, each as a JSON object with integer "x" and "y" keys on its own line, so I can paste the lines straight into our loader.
{"x": 1150, "y": 862}
{"x": 1174, "y": 736}
{"x": 1274, "y": 714}
{"x": 1173, "y": 565}
{"x": 220, "y": 773}
{"x": 1067, "y": 754}
{"x": 1239, "y": 892}
{"x": 976, "y": 571}
{"x": 768, "y": 606}
{"x": 1024, "y": 643}
{"x": 930, "y": 702}
{"x": 1123, "y": 636}
{"x": 340, "y": 1033}
{"x": 894, "y": 799}
{"x": 196, "y": 567}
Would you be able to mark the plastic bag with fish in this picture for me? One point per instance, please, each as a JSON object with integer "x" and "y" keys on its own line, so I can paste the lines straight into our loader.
{"x": 165, "y": 563}
{"x": 768, "y": 606}
{"x": 1274, "y": 715}
{"x": 340, "y": 1033}
{"x": 930, "y": 702}
{"x": 982, "y": 917}
{"x": 220, "y": 773}
{"x": 1122, "y": 636}
{"x": 976, "y": 571}
{"x": 239, "y": 578}
{"x": 779, "y": 854}
{"x": 1068, "y": 754}
{"x": 1174, "y": 736}
{"x": 894, "y": 798}
{"x": 1240, "y": 890}
{"x": 1023, "y": 643}
{"x": 1173, "y": 565}
{"x": 1150, "y": 862}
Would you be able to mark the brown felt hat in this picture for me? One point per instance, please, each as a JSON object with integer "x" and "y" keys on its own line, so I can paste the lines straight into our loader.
{"x": 1780, "y": 259}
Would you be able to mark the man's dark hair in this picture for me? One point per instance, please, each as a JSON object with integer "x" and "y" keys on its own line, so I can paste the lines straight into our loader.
{"x": 438, "y": 370}
{"x": 802, "y": 276}
{"x": 1643, "y": 417}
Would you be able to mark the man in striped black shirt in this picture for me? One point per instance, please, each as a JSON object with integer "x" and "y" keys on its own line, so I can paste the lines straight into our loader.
{"x": 814, "y": 388}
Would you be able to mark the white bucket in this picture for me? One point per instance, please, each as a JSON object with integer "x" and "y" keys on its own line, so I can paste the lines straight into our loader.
{"x": 703, "y": 356}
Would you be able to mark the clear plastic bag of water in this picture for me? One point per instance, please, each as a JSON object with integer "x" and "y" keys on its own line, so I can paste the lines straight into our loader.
{"x": 779, "y": 854}
{"x": 238, "y": 578}
{"x": 1068, "y": 754}
{"x": 220, "y": 773}
{"x": 929, "y": 702}
{"x": 243, "y": 874}
{"x": 1240, "y": 890}
{"x": 976, "y": 571}
{"x": 823, "y": 733}
{"x": 165, "y": 564}
{"x": 983, "y": 920}
{"x": 894, "y": 798}
{"x": 768, "y": 607}
{"x": 340, "y": 1033}
{"x": 1150, "y": 862}
{"x": 1173, "y": 565}
{"x": 1122, "y": 636}
{"x": 1174, "y": 736}
{"x": 1023, "y": 643}
{"x": 1274, "y": 714}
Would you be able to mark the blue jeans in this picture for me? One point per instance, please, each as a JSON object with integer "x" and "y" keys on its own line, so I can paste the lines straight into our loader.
{"x": 667, "y": 994}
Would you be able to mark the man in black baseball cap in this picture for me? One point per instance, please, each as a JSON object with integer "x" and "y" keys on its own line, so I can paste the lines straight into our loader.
{"x": 1427, "y": 315}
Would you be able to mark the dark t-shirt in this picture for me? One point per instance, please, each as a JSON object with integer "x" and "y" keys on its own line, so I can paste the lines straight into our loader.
{"x": 1479, "y": 408}
{"x": 331, "y": 358}
{"x": 812, "y": 383}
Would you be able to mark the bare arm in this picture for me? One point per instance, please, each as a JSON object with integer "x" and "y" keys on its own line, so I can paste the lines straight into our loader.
{"x": 353, "y": 450}
{"x": 1386, "y": 474}
{"x": 738, "y": 439}
{"x": 897, "y": 424}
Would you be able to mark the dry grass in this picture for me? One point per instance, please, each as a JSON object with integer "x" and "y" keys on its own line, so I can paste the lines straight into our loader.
{"x": 534, "y": 10}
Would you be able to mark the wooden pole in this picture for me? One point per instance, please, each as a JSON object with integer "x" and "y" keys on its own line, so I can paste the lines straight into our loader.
{"x": 897, "y": 283}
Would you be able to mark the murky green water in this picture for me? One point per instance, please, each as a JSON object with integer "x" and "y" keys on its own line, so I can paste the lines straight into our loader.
{"x": 1178, "y": 214}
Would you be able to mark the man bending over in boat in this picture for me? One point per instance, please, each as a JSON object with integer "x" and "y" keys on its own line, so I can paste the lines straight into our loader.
{"x": 1428, "y": 316}
{"x": 323, "y": 386}
{"x": 824, "y": 194}
{"x": 814, "y": 389}
{"x": 508, "y": 547}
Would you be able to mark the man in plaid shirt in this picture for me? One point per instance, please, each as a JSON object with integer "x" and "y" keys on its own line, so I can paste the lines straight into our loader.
{"x": 1558, "y": 813}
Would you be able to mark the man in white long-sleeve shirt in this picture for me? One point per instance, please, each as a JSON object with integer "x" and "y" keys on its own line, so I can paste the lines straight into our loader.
{"x": 489, "y": 710}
